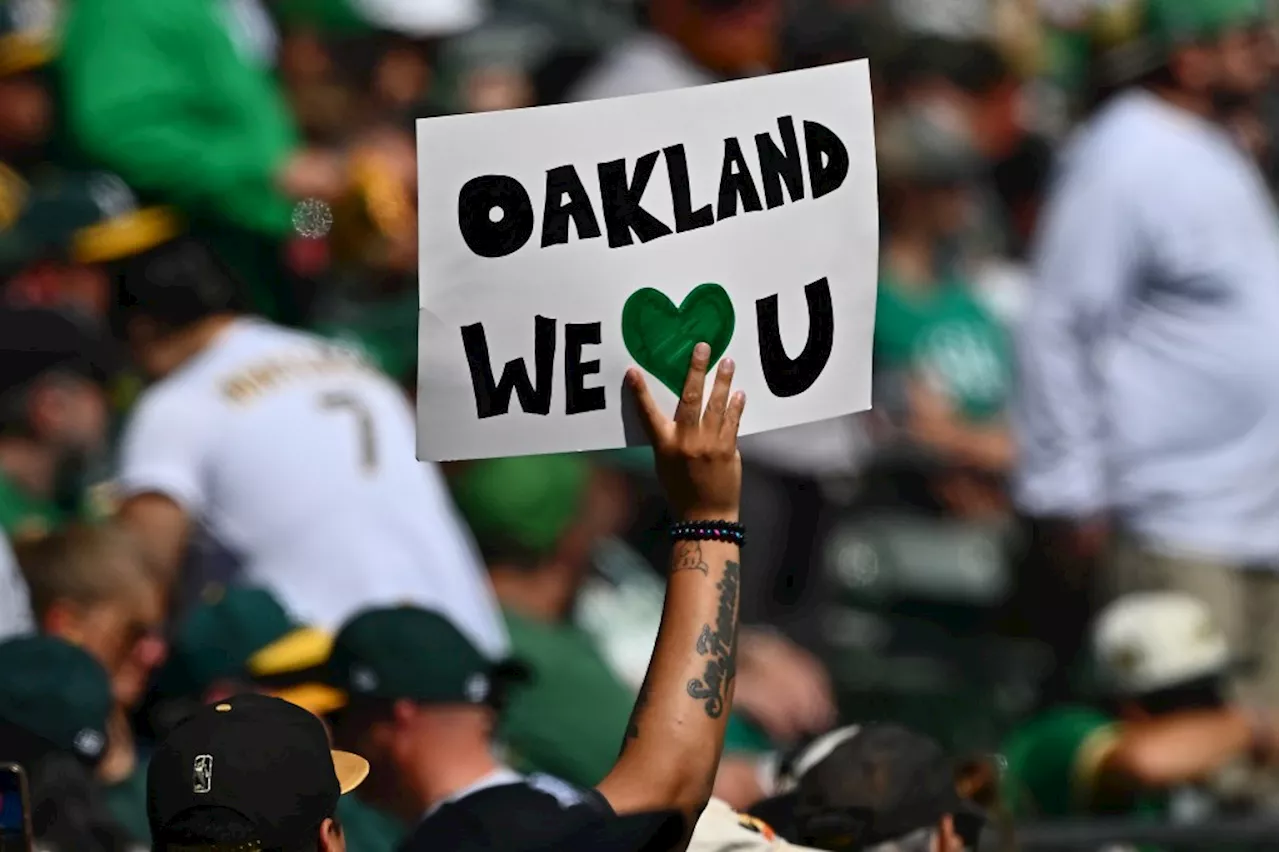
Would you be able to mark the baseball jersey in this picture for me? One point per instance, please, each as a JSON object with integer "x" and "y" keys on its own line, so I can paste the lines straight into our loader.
{"x": 297, "y": 457}
{"x": 15, "y": 606}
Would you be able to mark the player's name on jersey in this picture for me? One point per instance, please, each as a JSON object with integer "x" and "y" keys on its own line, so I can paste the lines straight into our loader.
{"x": 257, "y": 379}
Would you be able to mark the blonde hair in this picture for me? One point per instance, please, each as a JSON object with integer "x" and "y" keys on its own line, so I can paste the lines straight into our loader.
{"x": 83, "y": 565}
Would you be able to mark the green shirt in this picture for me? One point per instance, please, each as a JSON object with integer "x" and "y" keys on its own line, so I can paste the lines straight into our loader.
{"x": 945, "y": 335}
{"x": 368, "y": 829}
{"x": 1052, "y": 765}
{"x": 127, "y": 801}
{"x": 23, "y": 516}
{"x": 570, "y": 720}
{"x": 170, "y": 97}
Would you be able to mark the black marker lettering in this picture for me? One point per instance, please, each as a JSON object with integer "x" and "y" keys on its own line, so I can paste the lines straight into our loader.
{"x": 687, "y": 219}
{"x": 819, "y": 142}
{"x": 491, "y": 399}
{"x": 621, "y": 202}
{"x": 786, "y": 376}
{"x": 494, "y": 215}
{"x": 566, "y": 199}
{"x": 736, "y": 183}
{"x": 779, "y": 167}
{"x": 578, "y": 398}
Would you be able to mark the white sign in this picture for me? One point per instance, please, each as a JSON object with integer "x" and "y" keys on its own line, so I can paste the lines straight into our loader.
{"x": 560, "y": 245}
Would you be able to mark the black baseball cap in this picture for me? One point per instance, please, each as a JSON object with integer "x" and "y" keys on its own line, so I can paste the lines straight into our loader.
{"x": 863, "y": 785}
{"x": 261, "y": 758}
{"x": 35, "y": 341}
{"x": 406, "y": 652}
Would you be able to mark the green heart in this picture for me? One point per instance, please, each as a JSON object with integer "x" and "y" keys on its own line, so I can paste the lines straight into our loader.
{"x": 661, "y": 336}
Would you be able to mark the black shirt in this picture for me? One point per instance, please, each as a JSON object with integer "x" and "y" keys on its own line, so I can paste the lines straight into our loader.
{"x": 535, "y": 809}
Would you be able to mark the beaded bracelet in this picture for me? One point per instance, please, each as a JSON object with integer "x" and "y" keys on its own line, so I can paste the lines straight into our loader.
{"x": 709, "y": 531}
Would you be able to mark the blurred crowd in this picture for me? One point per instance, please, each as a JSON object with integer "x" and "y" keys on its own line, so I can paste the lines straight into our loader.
{"x": 1051, "y": 547}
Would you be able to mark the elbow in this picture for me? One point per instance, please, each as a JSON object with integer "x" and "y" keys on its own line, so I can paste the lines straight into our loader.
{"x": 640, "y": 786}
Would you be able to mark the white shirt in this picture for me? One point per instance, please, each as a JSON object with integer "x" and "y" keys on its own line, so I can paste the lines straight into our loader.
{"x": 298, "y": 458}
{"x": 1147, "y": 355}
{"x": 15, "y": 606}
{"x": 647, "y": 62}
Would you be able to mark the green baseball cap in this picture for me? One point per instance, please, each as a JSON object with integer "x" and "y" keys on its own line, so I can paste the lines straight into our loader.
{"x": 411, "y": 653}
{"x": 244, "y": 633}
{"x": 526, "y": 502}
{"x": 1135, "y": 36}
{"x": 1173, "y": 22}
{"x": 57, "y": 692}
{"x": 84, "y": 217}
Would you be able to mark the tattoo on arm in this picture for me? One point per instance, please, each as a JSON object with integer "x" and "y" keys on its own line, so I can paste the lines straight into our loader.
{"x": 688, "y": 557}
{"x": 721, "y": 646}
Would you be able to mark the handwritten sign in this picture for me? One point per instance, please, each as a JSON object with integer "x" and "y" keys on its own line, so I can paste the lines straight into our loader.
{"x": 560, "y": 245}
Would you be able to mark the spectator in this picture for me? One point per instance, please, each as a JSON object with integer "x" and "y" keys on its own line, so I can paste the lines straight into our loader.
{"x": 422, "y": 695}
{"x": 27, "y": 28}
{"x": 294, "y": 453}
{"x": 872, "y": 788}
{"x": 251, "y": 771}
{"x": 940, "y": 352}
{"x": 1165, "y": 733}
{"x": 688, "y": 43}
{"x": 52, "y": 415}
{"x": 240, "y": 640}
{"x": 90, "y": 587}
{"x": 538, "y": 533}
{"x": 150, "y": 92}
{"x": 55, "y": 703}
{"x": 1147, "y": 412}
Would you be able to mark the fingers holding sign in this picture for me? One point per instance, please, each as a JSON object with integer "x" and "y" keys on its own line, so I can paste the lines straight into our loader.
{"x": 697, "y": 451}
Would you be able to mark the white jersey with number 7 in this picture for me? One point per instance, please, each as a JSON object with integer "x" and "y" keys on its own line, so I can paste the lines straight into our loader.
{"x": 297, "y": 456}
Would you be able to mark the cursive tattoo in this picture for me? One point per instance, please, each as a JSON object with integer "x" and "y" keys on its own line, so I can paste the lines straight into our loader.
{"x": 688, "y": 557}
{"x": 721, "y": 645}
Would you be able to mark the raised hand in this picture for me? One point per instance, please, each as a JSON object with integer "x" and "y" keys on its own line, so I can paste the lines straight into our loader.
{"x": 697, "y": 452}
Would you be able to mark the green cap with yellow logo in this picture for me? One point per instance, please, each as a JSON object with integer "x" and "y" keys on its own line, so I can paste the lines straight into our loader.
{"x": 57, "y": 692}
{"x": 83, "y": 217}
{"x": 243, "y": 633}
{"x": 415, "y": 654}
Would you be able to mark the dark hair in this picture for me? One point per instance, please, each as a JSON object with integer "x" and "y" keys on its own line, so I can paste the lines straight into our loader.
{"x": 1205, "y": 693}
{"x": 360, "y": 713}
{"x": 175, "y": 284}
{"x": 216, "y": 828}
{"x": 68, "y": 810}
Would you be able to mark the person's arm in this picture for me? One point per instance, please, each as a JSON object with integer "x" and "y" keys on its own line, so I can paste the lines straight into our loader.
{"x": 160, "y": 478}
{"x": 157, "y": 92}
{"x": 1086, "y": 264}
{"x": 935, "y": 423}
{"x": 1178, "y": 748}
{"x": 673, "y": 741}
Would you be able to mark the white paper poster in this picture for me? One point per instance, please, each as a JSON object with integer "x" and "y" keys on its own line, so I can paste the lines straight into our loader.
{"x": 560, "y": 245}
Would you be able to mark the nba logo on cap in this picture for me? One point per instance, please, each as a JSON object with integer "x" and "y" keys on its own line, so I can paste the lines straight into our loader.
{"x": 202, "y": 774}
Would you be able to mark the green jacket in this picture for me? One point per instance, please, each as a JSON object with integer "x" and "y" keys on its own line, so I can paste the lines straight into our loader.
{"x": 165, "y": 95}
